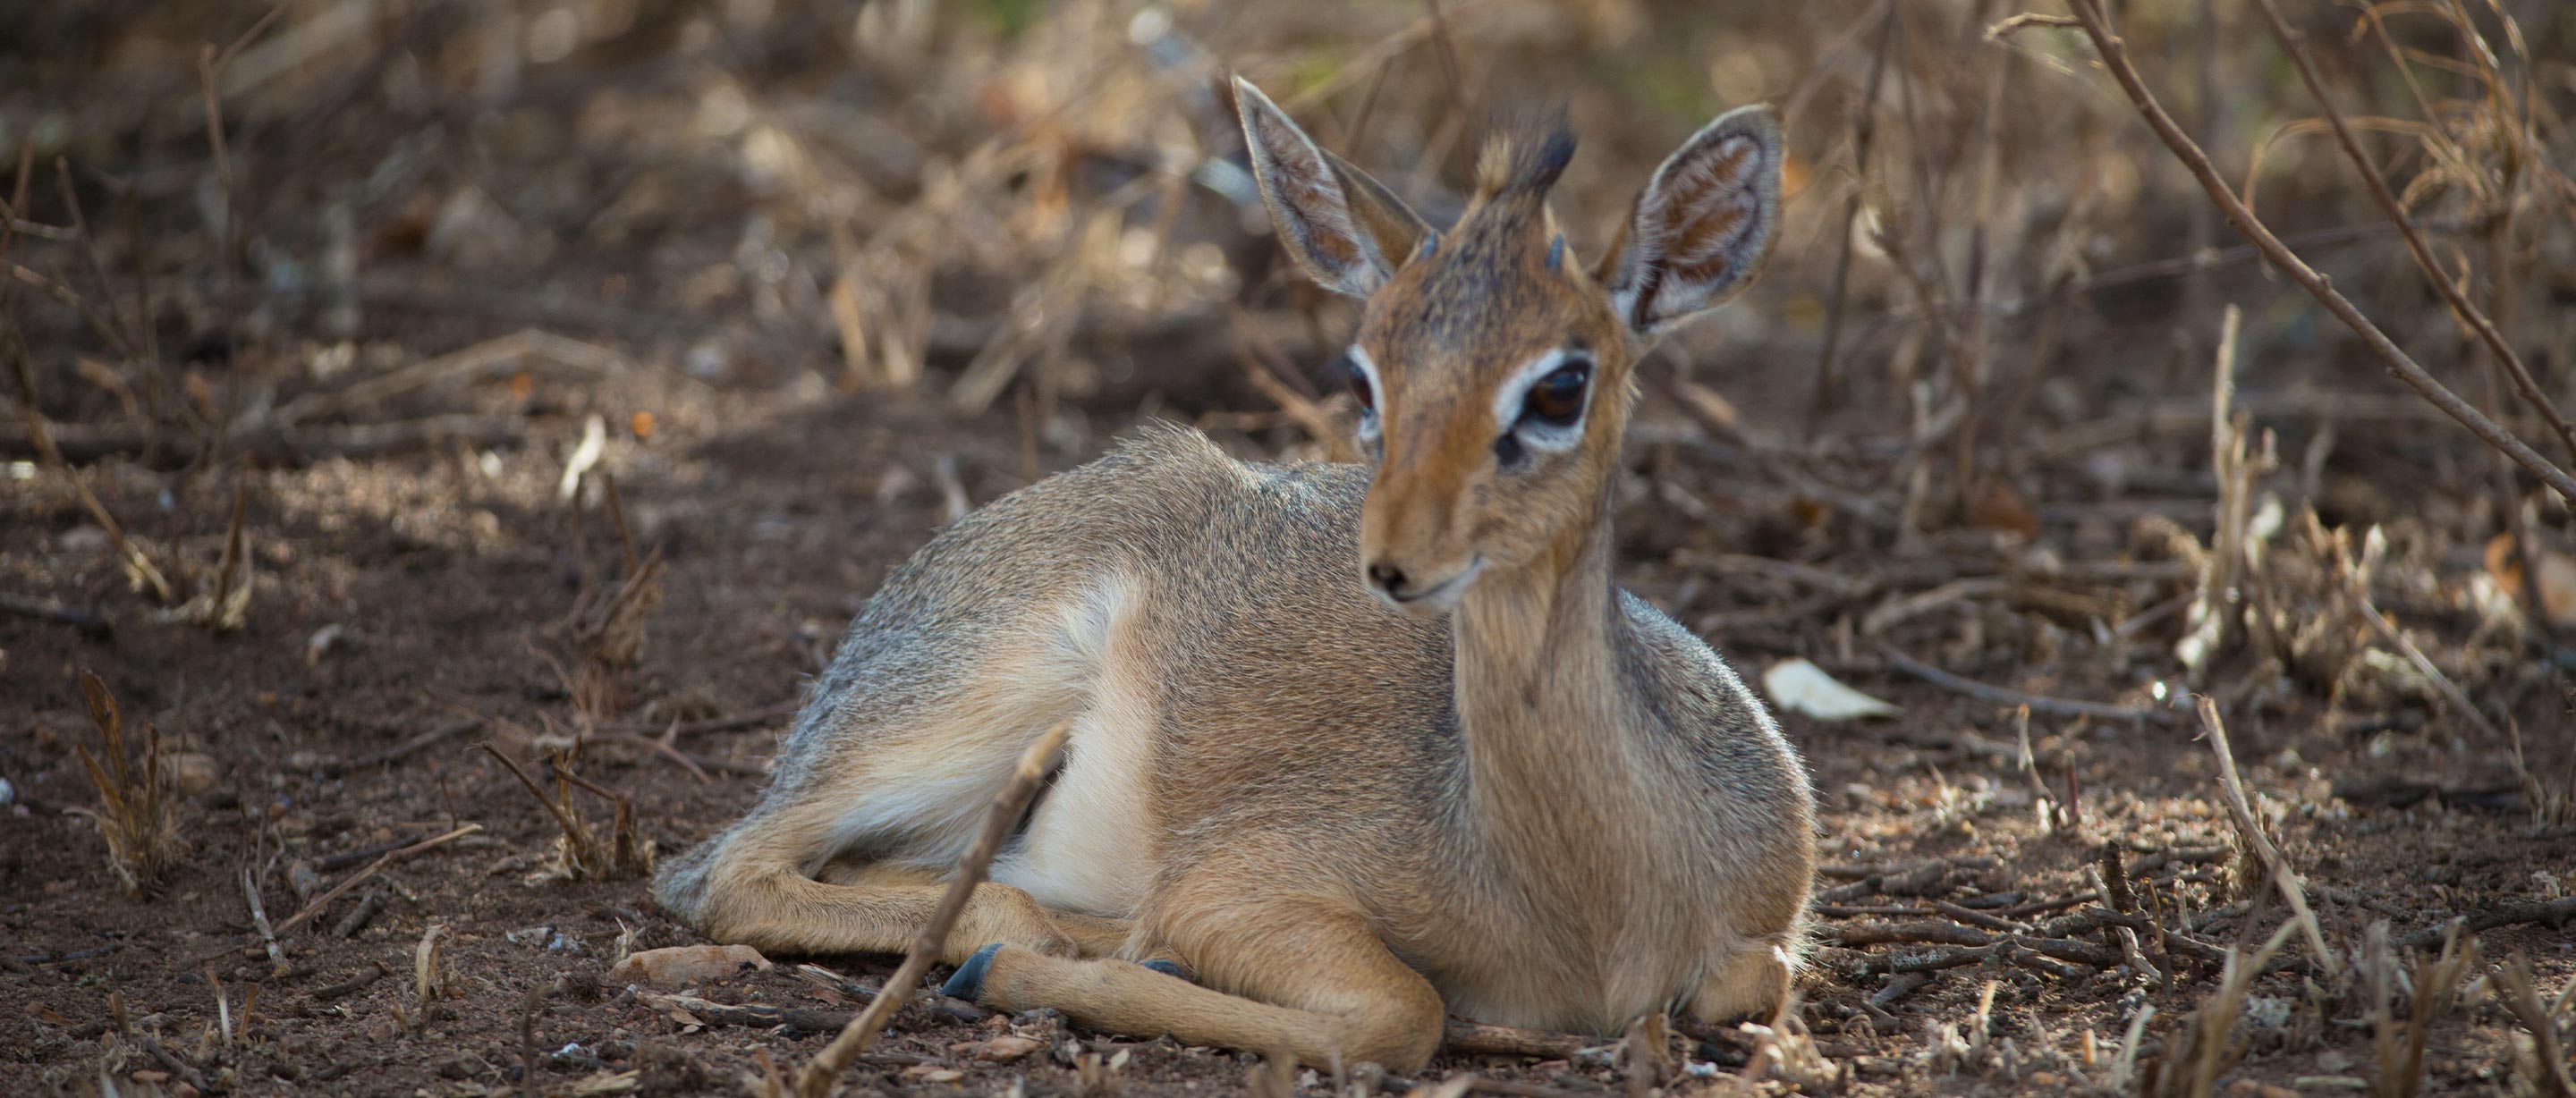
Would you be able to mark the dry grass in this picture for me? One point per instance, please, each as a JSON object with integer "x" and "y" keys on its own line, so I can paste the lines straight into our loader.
{"x": 2541, "y": 1051}
{"x": 606, "y": 627}
{"x": 137, "y": 814}
{"x": 2208, "y": 1042}
{"x": 2553, "y": 803}
{"x": 2429, "y": 989}
{"x": 580, "y": 852}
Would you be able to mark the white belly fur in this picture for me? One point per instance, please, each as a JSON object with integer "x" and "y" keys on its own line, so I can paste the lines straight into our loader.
{"x": 1090, "y": 846}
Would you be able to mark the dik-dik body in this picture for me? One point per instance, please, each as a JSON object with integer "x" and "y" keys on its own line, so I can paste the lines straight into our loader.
{"x": 1350, "y": 744}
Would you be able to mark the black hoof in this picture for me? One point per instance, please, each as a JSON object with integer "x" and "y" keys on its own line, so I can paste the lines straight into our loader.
{"x": 968, "y": 983}
{"x": 1172, "y": 969}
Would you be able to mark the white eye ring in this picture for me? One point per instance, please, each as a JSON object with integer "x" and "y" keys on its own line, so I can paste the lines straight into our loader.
{"x": 1360, "y": 360}
{"x": 1515, "y": 392}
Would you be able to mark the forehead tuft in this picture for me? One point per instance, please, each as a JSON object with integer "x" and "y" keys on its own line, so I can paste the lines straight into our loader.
{"x": 1524, "y": 162}
{"x": 1497, "y": 281}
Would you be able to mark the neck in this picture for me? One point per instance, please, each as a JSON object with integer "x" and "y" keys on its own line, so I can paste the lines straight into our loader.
{"x": 1540, "y": 701}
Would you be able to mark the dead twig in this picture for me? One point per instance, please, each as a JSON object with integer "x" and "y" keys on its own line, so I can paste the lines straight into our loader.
{"x": 275, "y": 445}
{"x": 2452, "y": 695}
{"x": 412, "y": 746}
{"x": 171, "y": 1062}
{"x": 2556, "y": 913}
{"x": 627, "y": 854}
{"x": 746, "y": 719}
{"x": 353, "y": 985}
{"x": 1864, "y": 128}
{"x": 138, "y": 565}
{"x": 758, "y": 1015}
{"x": 259, "y": 918}
{"x": 816, "y": 1078}
{"x": 467, "y": 364}
{"x": 2038, "y": 703}
{"x": 359, "y": 916}
{"x": 1898, "y": 987}
{"x": 90, "y": 622}
{"x": 528, "y": 1008}
{"x": 1460, "y": 1037}
{"x": 314, "y": 908}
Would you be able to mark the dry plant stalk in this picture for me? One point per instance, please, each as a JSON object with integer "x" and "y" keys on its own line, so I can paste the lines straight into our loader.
{"x": 136, "y": 814}
{"x": 579, "y": 853}
{"x": 140, "y": 570}
{"x": 2356, "y": 589}
{"x": 606, "y": 626}
{"x": 2115, "y": 57}
{"x": 2399, "y": 1047}
{"x": 2123, "y": 1072}
{"x": 2207, "y": 1043}
{"x": 429, "y": 983}
{"x": 816, "y": 1078}
{"x": 2274, "y": 865}
{"x": 220, "y": 600}
{"x": 2540, "y": 1060}
{"x": 2207, "y": 632}
{"x": 2549, "y": 807}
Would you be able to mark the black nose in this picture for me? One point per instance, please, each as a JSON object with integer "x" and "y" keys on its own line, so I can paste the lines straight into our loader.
{"x": 1388, "y": 577}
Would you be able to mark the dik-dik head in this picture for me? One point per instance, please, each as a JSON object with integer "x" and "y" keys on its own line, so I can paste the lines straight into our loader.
{"x": 1492, "y": 368}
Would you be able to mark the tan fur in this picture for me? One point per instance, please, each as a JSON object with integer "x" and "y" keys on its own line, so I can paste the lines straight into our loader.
{"x": 1550, "y": 806}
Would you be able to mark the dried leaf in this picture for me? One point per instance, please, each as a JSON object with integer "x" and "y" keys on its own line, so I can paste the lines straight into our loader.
{"x": 1802, "y": 687}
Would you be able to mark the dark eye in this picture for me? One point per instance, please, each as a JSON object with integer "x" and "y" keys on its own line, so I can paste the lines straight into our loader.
{"x": 1557, "y": 399}
{"x": 1359, "y": 382}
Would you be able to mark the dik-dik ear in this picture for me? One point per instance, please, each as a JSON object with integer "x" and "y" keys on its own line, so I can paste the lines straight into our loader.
{"x": 1346, "y": 230}
{"x": 1702, "y": 227}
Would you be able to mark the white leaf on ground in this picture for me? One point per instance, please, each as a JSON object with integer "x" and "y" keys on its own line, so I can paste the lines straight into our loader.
{"x": 1802, "y": 687}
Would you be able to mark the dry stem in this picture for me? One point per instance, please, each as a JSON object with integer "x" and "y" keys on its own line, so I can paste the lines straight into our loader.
{"x": 324, "y": 900}
{"x": 815, "y": 1080}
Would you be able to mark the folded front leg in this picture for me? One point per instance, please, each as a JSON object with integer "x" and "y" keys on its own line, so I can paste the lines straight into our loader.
{"x": 1320, "y": 985}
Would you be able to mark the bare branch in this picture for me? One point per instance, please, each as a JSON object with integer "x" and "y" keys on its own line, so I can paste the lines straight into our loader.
{"x": 2115, "y": 57}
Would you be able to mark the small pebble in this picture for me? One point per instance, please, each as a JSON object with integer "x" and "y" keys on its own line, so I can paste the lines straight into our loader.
{"x": 192, "y": 773}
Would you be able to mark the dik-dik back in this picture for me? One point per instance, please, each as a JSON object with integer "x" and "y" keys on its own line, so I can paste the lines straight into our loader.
{"x": 1351, "y": 745}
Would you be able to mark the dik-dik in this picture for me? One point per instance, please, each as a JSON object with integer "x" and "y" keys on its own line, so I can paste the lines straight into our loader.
{"x": 1350, "y": 745}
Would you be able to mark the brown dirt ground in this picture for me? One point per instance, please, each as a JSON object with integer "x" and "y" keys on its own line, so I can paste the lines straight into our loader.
{"x": 776, "y": 516}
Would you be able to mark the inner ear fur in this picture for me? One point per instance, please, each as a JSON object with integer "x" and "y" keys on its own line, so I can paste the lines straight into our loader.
{"x": 1346, "y": 230}
{"x": 1702, "y": 227}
